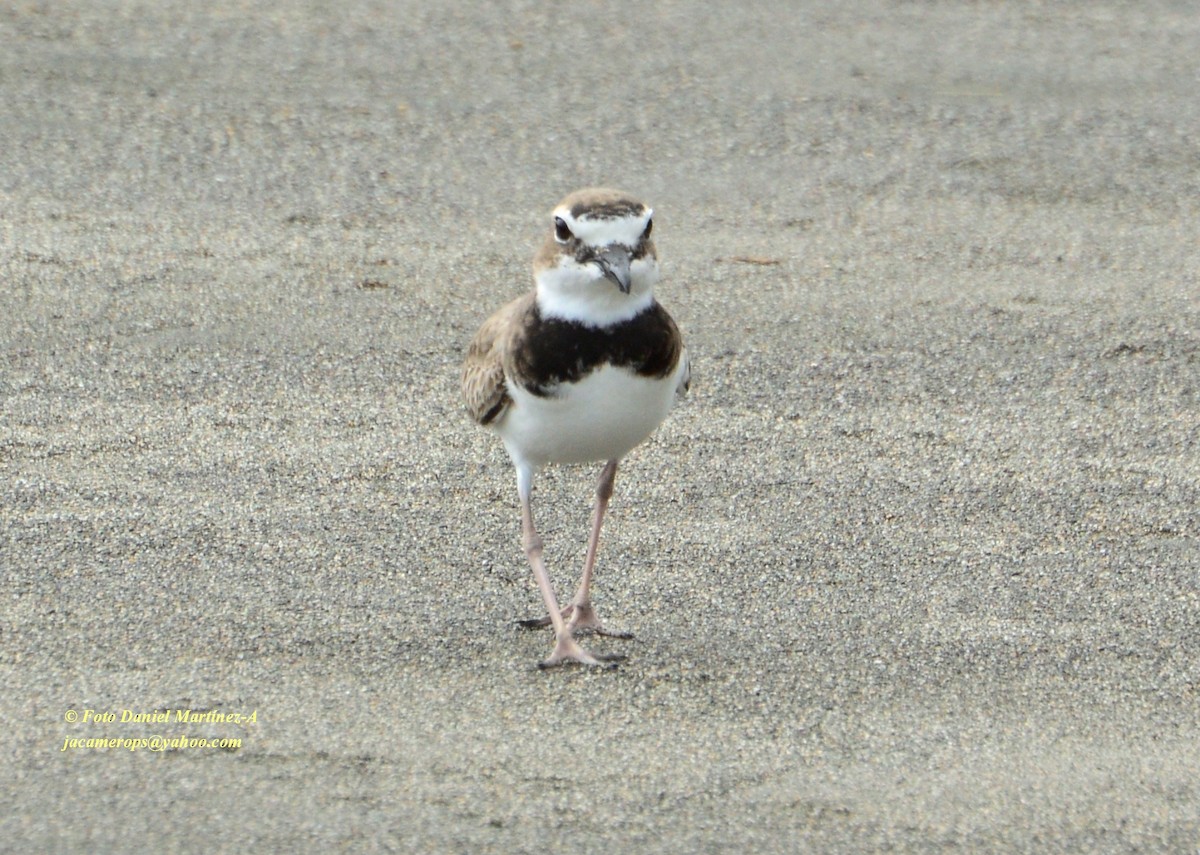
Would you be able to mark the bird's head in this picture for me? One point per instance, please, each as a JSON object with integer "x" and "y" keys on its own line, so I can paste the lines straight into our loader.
{"x": 598, "y": 264}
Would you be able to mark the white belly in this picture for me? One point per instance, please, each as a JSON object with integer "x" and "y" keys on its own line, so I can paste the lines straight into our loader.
{"x": 601, "y": 417}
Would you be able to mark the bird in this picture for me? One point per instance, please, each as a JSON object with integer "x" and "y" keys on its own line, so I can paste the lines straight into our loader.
{"x": 581, "y": 369}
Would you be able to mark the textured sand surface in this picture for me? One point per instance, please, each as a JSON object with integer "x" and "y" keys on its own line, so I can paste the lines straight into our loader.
{"x": 914, "y": 568}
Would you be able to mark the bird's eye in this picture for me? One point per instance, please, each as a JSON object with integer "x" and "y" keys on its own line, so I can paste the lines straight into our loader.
{"x": 561, "y": 232}
{"x": 649, "y": 227}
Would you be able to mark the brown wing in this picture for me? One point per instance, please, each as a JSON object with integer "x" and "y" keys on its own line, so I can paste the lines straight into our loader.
{"x": 484, "y": 389}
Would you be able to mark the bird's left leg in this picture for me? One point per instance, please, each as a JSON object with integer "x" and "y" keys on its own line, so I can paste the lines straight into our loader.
{"x": 583, "y": 613}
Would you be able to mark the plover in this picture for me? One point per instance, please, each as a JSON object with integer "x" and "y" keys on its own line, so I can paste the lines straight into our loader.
{"x": 581, "y": 369}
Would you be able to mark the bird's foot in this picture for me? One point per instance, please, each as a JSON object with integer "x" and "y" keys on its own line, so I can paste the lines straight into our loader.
{"x": 580, "y": 618}
{"x": 567, "y": 650}
{"x": 584, "y": 619}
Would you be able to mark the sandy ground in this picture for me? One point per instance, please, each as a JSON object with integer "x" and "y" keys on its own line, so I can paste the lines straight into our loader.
{"x": 914, "y": 568}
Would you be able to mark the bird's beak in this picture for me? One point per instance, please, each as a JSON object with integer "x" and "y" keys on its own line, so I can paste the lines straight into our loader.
{"x": 614, "y": 261}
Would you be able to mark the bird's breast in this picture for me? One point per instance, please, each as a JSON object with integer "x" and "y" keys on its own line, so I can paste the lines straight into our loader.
{"x": 600, "y": 416}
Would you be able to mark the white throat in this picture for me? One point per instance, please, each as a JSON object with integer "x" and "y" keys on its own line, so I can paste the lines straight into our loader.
{"x": 575, "y": 292}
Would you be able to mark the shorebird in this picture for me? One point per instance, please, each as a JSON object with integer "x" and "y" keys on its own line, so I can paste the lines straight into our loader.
{"x": 581, "y": 369}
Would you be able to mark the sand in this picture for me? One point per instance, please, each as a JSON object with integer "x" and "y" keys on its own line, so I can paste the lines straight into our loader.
{"x": 914, "y": 567}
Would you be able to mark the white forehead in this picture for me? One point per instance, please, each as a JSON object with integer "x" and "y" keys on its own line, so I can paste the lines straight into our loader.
{"x": 605, "y": 231}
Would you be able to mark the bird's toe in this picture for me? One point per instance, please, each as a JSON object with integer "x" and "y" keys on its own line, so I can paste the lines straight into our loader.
{"x": 567, "y": 651}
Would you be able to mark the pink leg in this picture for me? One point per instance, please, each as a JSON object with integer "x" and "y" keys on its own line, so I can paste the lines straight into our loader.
{"x": 566, "y": 649}
{"x": 580, "y": 611}
{"x": 584, "y": 614}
